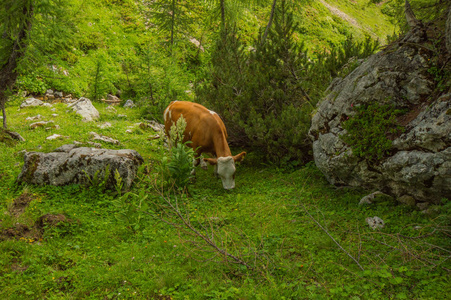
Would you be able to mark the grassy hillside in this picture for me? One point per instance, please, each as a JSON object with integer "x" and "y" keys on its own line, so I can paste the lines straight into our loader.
{"x": 117, "y": 247}
{"x": 94, "y": 47}
{"x": 324, "y": 24}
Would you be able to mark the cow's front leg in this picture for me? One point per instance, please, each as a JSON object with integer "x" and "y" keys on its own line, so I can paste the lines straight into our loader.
{"x": 196, "y": 162}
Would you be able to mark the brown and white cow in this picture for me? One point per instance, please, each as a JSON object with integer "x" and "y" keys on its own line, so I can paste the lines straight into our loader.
{"x": 207, "y": 134}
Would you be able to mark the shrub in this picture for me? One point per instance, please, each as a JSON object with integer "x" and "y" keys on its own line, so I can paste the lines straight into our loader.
{"x": 176, "y": 169}
{"x": 260, "y": 93}
{"x": 369, "y": 131}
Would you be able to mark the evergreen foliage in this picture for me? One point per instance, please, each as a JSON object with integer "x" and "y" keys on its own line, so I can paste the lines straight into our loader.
{"x": 266, "y": 94}
{"x": 369, "y": 131}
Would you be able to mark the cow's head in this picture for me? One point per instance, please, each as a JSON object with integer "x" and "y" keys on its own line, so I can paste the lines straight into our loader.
{"x": 226, "y": 168}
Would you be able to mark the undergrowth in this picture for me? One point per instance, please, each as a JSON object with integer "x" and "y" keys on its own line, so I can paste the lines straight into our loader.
{"x": 119, "y": 245}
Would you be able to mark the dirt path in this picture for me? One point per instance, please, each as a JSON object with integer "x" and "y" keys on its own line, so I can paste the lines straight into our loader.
{"x": 341, "y": 14}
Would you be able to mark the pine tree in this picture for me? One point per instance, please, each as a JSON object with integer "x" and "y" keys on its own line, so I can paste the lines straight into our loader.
{"x": 16, "y": 22}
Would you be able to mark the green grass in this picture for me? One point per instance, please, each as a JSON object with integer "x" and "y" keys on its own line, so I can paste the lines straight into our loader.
{"x": 321, "y": 29}
{"x": 98, "y": 255}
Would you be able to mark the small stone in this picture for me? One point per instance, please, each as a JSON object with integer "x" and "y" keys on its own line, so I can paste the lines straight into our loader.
{"x": 38, "y": 117}
{"x": 103, "y": 138}
{"x": 105, "y": 125}
{"x": 375, "y": 223}
{"x": 56, "y": 136}
{"x": 375, "y": 197}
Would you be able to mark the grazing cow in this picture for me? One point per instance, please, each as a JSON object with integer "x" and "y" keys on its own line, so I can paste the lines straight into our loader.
{"x": 207, "y": 134}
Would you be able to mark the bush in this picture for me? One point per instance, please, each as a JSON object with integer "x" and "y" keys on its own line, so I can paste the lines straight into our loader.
{"x": 369, "y": 130}
{"x": 260, "y": 92}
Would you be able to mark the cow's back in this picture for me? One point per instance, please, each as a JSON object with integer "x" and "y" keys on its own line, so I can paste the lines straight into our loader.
{"x": 203, "y": 125}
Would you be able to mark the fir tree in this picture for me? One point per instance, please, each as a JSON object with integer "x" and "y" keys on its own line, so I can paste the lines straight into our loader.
{"x": 16, "y": 22}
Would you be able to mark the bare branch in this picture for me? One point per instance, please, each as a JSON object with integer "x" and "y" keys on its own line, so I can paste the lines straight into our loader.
{"x": 325, "y": 230}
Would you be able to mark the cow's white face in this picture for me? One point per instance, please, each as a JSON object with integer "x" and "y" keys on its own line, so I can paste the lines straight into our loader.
{"x": 226, "y": 171}
{"x": 225, "y": 168}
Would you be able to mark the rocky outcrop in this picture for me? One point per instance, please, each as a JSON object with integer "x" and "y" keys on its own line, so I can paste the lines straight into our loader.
{"x": 71, "y": 165}
{"x": 84, "y": 108}
{"x": 419, "y": 163}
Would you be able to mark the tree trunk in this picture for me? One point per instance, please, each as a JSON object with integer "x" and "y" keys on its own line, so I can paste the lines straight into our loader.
{"x": 448, "y": 31}
{"x": 172, "y": 24}
{"x": 8, "y": 73}
{"x": 412, "y": 21}
{"x": 271, "y": 17}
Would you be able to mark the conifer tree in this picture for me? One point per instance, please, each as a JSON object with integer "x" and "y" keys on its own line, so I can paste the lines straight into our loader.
{"x": 16, "y": 22}
{"x": 173, "y": 17}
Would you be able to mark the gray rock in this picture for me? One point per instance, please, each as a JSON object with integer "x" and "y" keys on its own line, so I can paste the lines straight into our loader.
{"x": 112, "y": 98}
{"x": 129, "y": 104}
{"x": 375, "y": 197}
{"x": 420, "y": 161}
{"x": 375, "y": 223}
{"x": 38, "y": 117}
{"x": 56, "y": 137}
{"x": 154, "y": 125}
{"x": 71, "y": 165}
{"x": 31, "y": 102}
{"x": 110, "y": 107}
{"x": 103, "y": 138}
{"x": 84, "y": 108}
{"x": 105, "y": 125}
{"x": 40, "y": 124}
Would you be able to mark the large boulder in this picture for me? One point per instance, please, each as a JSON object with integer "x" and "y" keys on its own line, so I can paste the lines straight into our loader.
{"x": 419, "y": 161}
{"x": 71, "y": 165}
{"x": 84, "y": 108}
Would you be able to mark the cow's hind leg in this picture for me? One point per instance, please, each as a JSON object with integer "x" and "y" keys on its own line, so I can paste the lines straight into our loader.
{"x": 203, "y": 164}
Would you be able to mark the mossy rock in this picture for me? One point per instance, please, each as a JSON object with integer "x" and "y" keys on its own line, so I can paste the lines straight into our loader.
{"x": 6, "y": 139}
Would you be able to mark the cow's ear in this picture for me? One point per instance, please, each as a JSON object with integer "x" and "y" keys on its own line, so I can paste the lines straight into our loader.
{"x": 239, "y": 157}
{"x": 211, "y": 161}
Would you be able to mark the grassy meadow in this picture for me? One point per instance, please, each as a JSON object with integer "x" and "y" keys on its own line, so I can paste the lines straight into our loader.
{"x": 297, "y": 236}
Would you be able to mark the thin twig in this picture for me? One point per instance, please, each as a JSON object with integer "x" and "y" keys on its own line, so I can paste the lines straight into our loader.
{"x": 347, "y": 253}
